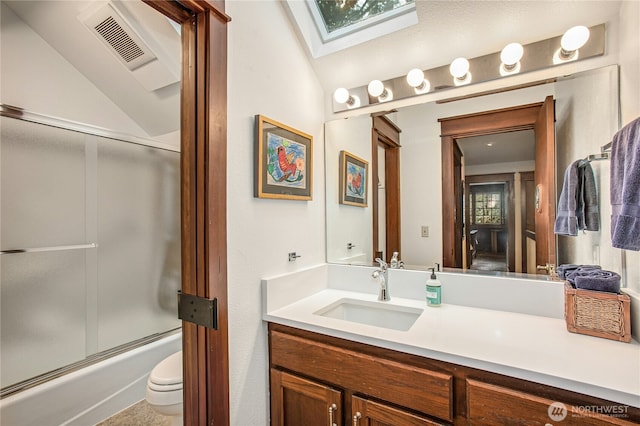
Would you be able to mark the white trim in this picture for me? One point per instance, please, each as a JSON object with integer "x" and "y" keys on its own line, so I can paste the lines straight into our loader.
{"x": 321, "y": 43}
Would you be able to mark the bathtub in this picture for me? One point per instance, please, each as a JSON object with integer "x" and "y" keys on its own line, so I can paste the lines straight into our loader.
{"x": 92, "y": 394}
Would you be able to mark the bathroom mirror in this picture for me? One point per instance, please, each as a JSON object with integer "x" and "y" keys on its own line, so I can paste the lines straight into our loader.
{"x": 586, "y": 113}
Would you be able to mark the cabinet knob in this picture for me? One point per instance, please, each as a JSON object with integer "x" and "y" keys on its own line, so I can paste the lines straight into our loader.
{"x": 356, "y": 418}
{"x": 332, "y": 409}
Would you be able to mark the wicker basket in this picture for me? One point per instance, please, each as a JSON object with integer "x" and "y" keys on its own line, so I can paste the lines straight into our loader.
{"x": 597, "y": 313}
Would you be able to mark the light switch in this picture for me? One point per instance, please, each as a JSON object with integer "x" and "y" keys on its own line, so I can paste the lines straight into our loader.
{"x": 424, "y": 231}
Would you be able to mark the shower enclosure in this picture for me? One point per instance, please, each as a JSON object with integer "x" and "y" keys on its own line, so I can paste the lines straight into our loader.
{"x": 90, "y": 242}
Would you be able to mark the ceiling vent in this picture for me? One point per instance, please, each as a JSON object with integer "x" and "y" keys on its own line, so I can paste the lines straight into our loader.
{"x": 110, "y": 28}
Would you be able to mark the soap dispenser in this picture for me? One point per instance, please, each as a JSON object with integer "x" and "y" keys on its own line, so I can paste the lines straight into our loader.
{"x": 434, "y": 290}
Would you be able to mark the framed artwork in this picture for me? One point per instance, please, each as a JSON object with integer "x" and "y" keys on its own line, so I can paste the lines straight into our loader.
{"x": 353, "y": 180}
{"x": 283, "y": 161}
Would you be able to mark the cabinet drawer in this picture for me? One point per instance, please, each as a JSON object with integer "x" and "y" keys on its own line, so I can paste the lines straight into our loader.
{"x": 497, "y": 405}
{"x": 426, "y": 391}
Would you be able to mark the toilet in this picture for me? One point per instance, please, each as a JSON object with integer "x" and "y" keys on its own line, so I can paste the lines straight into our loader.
{"x": 164, "y": 388}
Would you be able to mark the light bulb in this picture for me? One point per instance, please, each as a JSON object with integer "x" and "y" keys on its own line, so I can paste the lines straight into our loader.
{"x": 341, "y": 95}
{"x": 511, "y": 54}
{"x": 574, "y": 38}
{"x": 415, "y": 77}
{"x": 459, "y": 68}
{"x": 375, "y": 88}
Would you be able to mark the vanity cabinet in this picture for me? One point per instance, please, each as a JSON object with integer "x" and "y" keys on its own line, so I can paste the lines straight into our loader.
{"x": 321, "y": 380}
{"x": 375, "y": 390}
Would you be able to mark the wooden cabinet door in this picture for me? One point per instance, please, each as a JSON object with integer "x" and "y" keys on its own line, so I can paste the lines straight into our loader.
{"x": 370, "y": 413}
{"x": 296, "y": 401}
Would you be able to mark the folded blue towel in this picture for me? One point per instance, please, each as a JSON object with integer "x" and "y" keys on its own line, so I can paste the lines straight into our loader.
{"x": 625, "y": 187}
{"x": 565, "y": 270}
{"x": 591, "y": 277}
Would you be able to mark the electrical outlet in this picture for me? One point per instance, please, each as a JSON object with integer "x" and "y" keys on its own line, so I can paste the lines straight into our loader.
{"x": 424, "y": 231}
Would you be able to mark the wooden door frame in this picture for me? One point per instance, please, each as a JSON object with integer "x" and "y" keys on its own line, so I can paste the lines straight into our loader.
{"x": 203, "y": 139}
{"x": 511, "y": 119}
{"x": 508, "y": 179}
{"x": 524, "y": 201}
{"x": 458, "y": 194}
{"x": 385, "y": 132}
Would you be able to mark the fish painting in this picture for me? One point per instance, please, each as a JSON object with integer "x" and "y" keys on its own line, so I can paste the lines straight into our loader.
{"x": 285, "y": 162}
{"x": 355, "y": 180}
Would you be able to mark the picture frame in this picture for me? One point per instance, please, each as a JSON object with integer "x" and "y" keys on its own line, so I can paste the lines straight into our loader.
{"x": 354, "y": 173}
{"x": 283, "y": 161}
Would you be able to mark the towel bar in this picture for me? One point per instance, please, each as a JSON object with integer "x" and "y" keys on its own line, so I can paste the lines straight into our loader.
{"x": 53, "y": 248}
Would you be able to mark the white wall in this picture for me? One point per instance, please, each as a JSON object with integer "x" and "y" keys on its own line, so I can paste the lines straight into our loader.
{"x": 268, "y": 74}
{"x": 348, "y": 224}
{"x": 38, "y": 79}
{"x": 579, "y": 101}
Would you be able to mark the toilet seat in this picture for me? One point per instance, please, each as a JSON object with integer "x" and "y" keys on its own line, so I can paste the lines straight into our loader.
{"x": 167, "y": 375}
{"x": 164, "y": 388}
{"x": 168, "y": 371}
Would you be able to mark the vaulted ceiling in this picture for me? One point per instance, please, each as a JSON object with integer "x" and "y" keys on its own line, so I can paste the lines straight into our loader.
{"x": 445, "y": 30}
{"x": 449, "y": 29}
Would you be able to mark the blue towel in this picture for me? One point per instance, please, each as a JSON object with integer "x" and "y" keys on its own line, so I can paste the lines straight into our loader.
{"x": 593, "y": 278}
{"x": 578, "y": 203}
{"x": 566, "y": 216}
{"x": 588, "y": 199}
{"x": 625, "y": 187}
{"x": 565, "y": 270}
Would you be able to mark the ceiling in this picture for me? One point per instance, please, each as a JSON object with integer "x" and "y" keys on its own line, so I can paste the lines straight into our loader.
{"x": 499, "y": 148}
{"x": 59, "y": 23}
{"x": 449, "y": 29}
{"x": 445, "y": 30}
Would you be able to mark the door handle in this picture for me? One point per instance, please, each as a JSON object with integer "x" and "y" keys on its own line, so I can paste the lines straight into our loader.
{"x": 549, "y": 267}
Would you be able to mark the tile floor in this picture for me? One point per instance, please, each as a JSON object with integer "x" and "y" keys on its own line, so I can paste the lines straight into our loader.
{"x": 489, "y": 262}
{"x": 140, "y": 414}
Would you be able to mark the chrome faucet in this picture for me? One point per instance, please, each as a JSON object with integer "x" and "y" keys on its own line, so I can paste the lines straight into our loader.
{"x": 395, "y": 262}
{"x": 382, "y": 273}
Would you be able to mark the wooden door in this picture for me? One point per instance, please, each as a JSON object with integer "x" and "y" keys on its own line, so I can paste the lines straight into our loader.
{"x": 296, "y": 401}
{"x": 545, "y": 178}
{"x": 386, "y": 135}
{"x": 540, "y": 118}
{"x": 370, "y": 413}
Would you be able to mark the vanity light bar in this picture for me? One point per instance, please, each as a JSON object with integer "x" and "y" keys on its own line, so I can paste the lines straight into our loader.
{"x": 536, "y": 56}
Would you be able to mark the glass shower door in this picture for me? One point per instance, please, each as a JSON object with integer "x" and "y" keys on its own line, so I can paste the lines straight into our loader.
{"x": 43, "y": 196}
{"x": 90, "y": 241}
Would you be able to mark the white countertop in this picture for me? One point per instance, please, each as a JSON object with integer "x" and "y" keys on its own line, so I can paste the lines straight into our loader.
{"x": 525, "y": 346}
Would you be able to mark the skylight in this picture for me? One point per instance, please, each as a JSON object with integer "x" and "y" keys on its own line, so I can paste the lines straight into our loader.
{"x": 337, "y": 18}
{"x": 327, "y": 26}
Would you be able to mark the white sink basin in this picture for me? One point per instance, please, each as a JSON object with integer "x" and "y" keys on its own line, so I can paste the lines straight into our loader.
{"x": 378, "y": 314}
